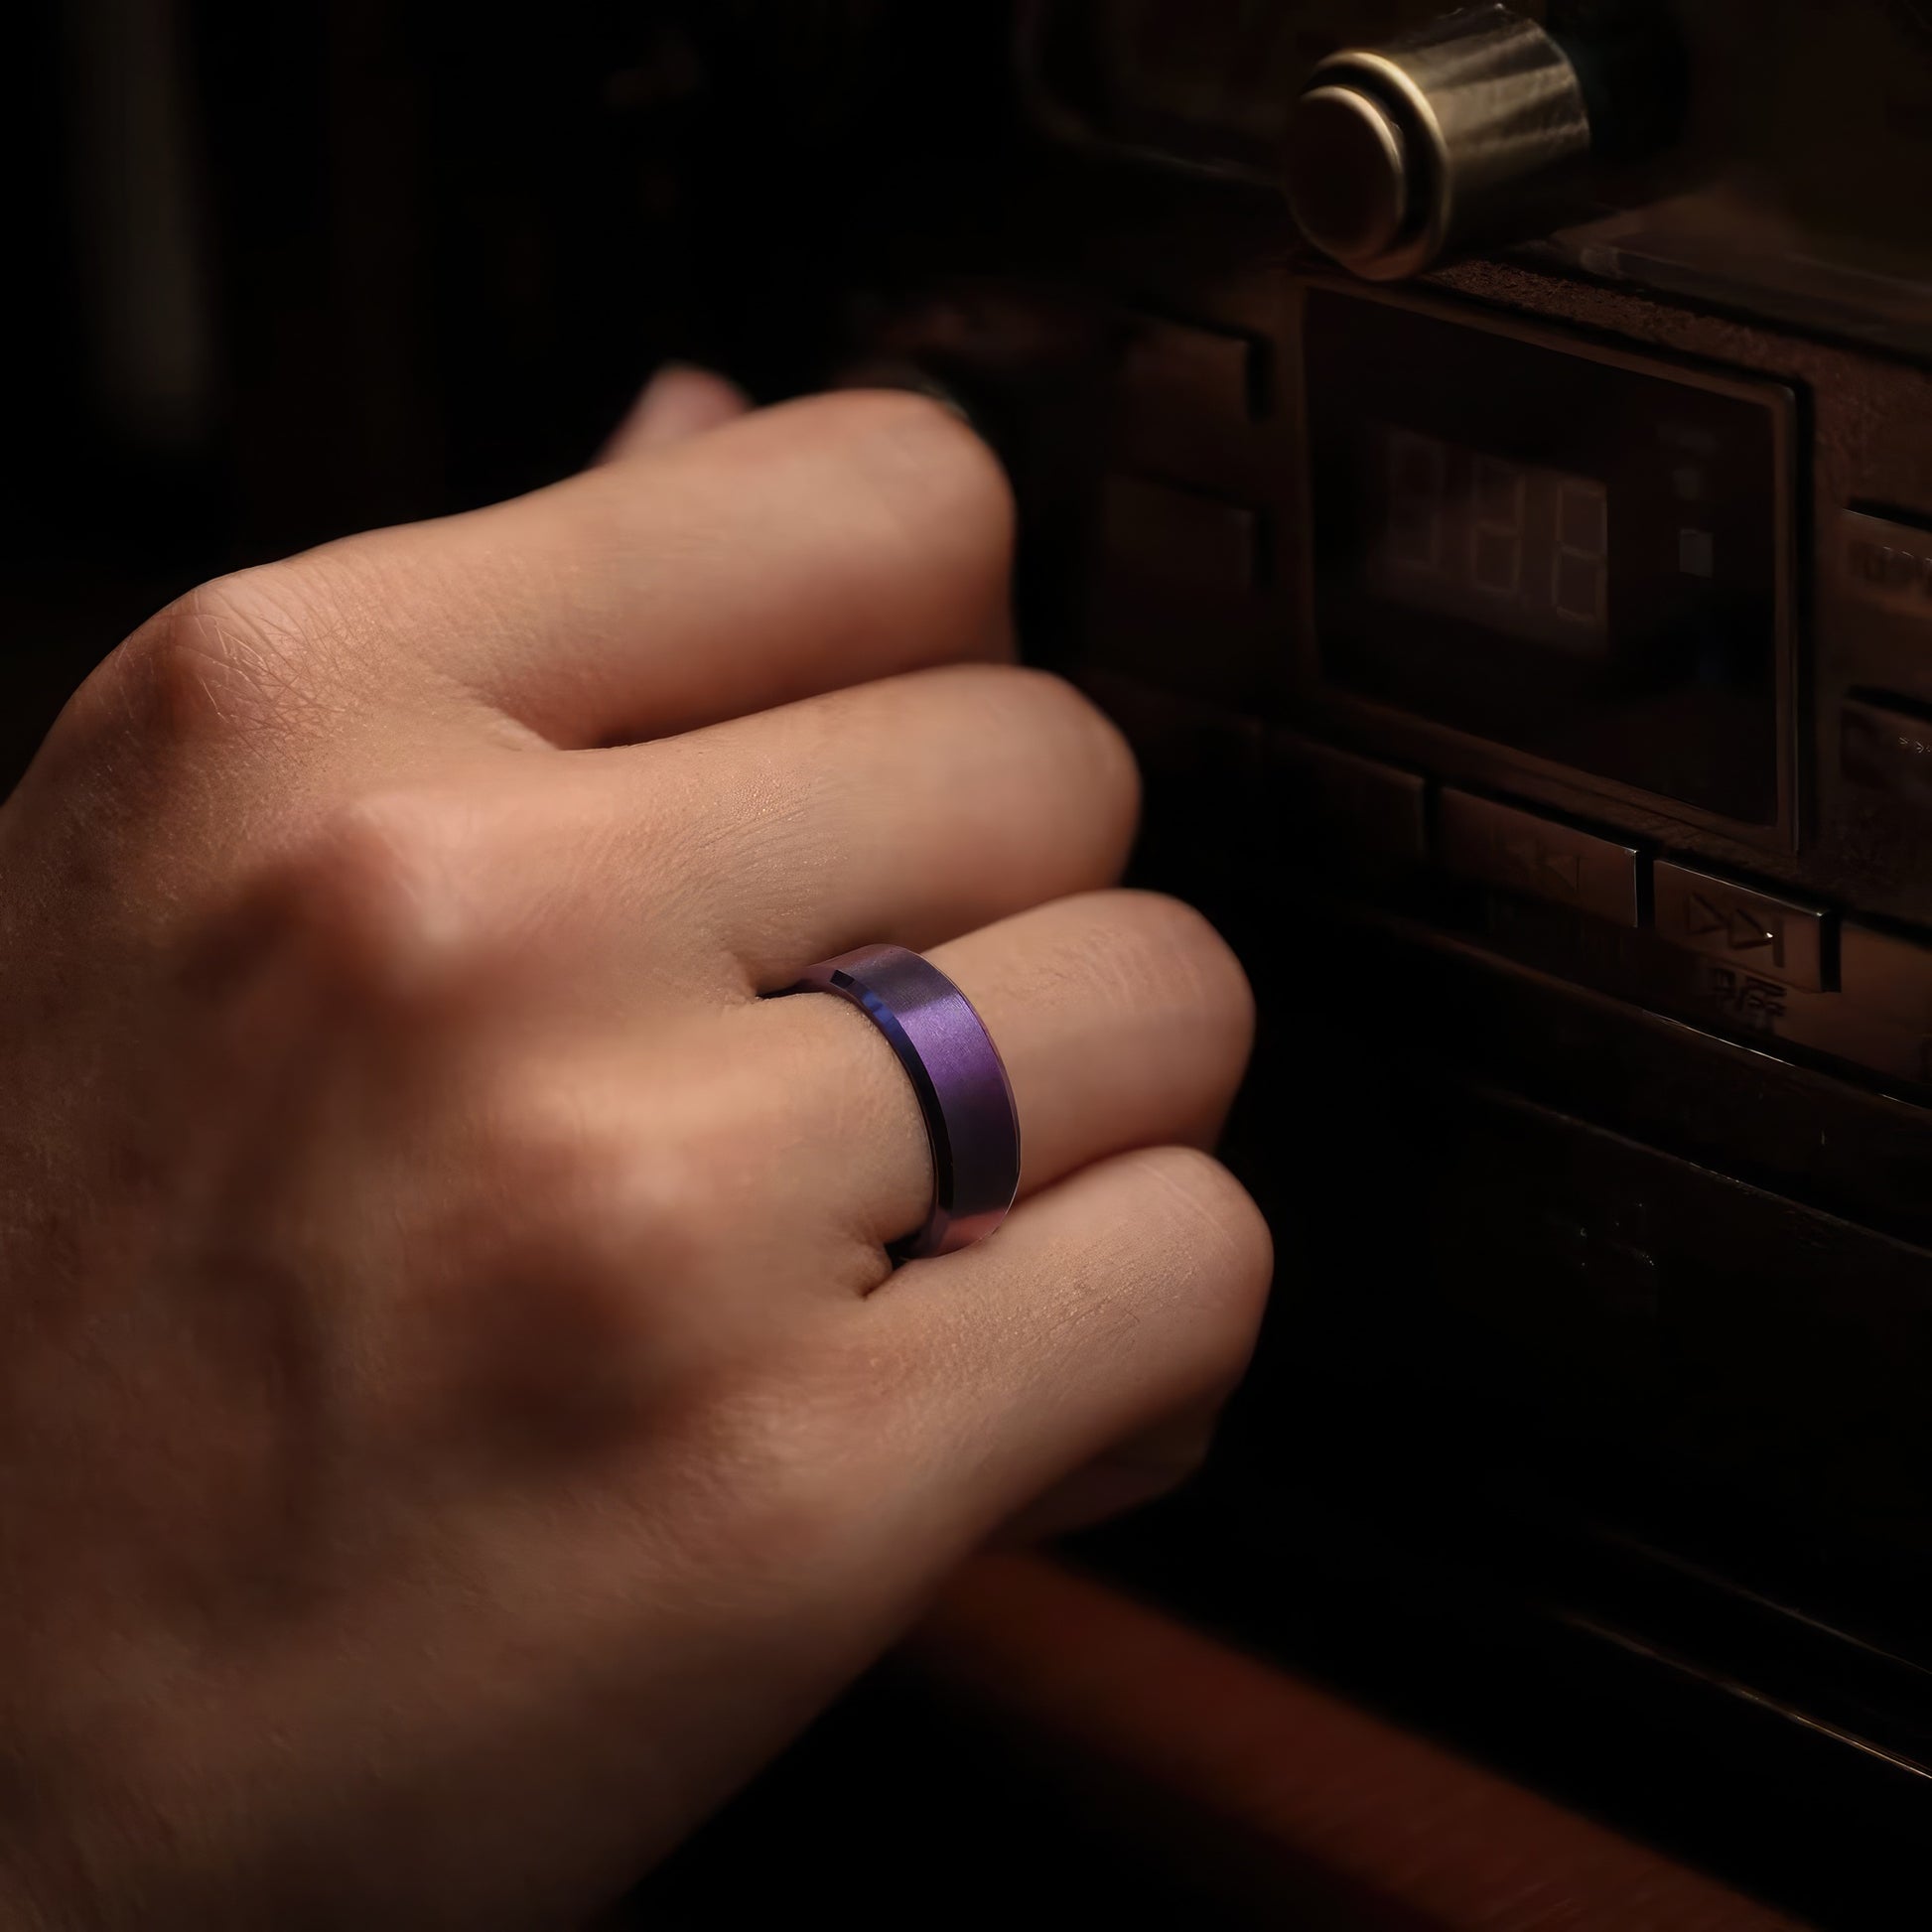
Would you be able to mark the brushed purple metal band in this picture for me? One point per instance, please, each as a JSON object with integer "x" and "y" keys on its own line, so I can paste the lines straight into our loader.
{"x": 957, "y": 1073}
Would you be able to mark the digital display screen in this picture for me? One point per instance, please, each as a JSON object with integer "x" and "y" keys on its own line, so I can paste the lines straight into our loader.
{"x": 1569, "y": 553}
{"x": 1483, "y": 539}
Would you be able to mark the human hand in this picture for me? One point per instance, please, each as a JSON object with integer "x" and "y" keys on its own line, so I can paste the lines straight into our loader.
{"x": 457, "y": 1417}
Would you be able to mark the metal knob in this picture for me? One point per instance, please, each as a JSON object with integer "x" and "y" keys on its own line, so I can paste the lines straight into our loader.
{"x": 1477, "y": 126}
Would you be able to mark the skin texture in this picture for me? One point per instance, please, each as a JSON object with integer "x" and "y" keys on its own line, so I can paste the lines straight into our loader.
{"x": 456, "y": 1418}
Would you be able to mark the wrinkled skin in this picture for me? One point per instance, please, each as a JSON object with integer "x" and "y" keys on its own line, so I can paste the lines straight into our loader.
{"x": 456, "y": 1418}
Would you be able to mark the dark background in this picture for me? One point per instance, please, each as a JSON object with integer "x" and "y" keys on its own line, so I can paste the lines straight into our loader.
{"x": 285, "y": 272}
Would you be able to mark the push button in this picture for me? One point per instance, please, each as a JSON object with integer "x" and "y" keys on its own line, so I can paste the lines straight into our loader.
{"x": 1886, "y": 564}
{"x": 1497, "y": 845}
{"x": 1770, "y": 937}
{"x": 1348, "y": 813}
{"x": 1171, "y": 369}
{"x": 1886, "y": 975}
{"x": 1180, "y": 539}
{"x": 1888, "y": 750}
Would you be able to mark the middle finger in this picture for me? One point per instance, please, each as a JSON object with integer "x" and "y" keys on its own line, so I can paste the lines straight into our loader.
{"x": 904, "y": 812}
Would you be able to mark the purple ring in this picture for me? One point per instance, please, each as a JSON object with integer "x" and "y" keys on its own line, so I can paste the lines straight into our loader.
{"x": 959, "y": 1077}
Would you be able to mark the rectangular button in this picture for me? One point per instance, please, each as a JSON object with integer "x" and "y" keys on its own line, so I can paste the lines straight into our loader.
{"x": 1347, "y": 811}
{"x": 1885, "y": 564}
{"x": 1172, "y": 368}
{"x": 1499, "y": 845}
{"x": 1889, "y": 750}
{"x": 1880, "y": 973}
{"x": 1178, "y": 537}
{"x": 1747, "y": 930}
{"x": 1737, "y": 998}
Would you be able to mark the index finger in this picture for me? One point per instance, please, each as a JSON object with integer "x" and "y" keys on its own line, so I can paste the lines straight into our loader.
{"x": 819, "y": 545}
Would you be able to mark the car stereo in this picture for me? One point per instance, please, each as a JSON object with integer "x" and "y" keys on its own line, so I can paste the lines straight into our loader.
{"x": 1486, "y": 462}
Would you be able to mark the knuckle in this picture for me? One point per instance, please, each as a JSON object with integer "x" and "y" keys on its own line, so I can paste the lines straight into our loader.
{"x": 1224, "y": 1254}
{"x": 1188, "y": 951}
{"x": 1106, "y": 760}
{"x": 1057, "y": 710}
{"x": 555, "y": 1265}
{"x": 1149, "y": 951}
{"x": 933, "y": 475}
{"x": 588, "y": 1185}
{"x": 1182, "y": 943}
{"x": 1205, "y": 1200}
{"x": 229, "y": 658}
{"x": 917, "y": 439}
{"x": 628, "y": 1213}
{"x": 1045, "y": 725}
{"x": 536, "y": 1145}
{"x": 381, "y": 897}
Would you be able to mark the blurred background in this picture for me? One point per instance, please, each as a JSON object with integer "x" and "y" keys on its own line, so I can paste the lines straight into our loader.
{"x": 283, "y": 272}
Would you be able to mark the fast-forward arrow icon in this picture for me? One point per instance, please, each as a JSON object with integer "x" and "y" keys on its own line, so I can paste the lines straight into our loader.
{"x": 1744, "y": 930}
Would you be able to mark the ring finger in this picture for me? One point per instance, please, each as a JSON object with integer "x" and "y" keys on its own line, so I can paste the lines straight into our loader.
{"x": 1123, "y": 1022}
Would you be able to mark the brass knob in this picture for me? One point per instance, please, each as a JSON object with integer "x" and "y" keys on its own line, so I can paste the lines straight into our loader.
{"x": 1475, "y": 127}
